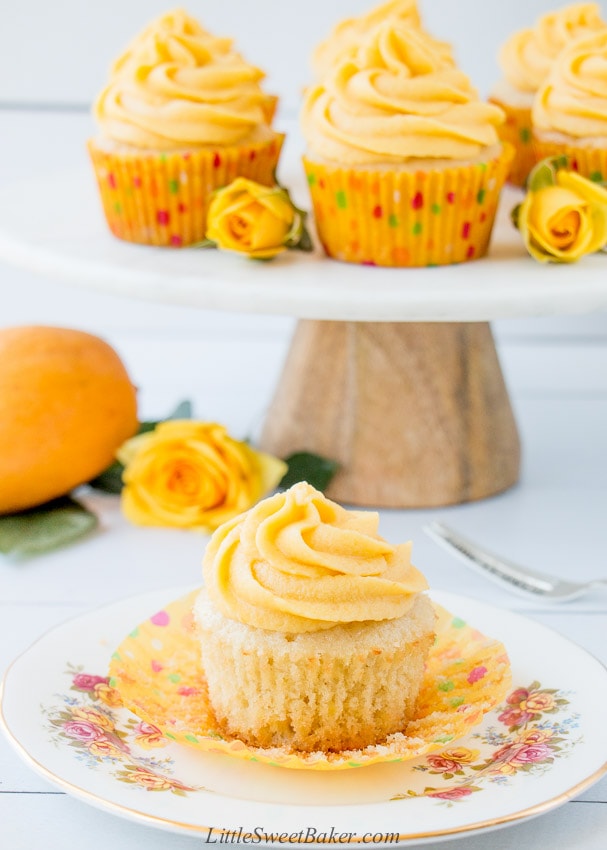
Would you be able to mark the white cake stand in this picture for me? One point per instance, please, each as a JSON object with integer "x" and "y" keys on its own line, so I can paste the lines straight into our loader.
{"x": 392, "y": 372}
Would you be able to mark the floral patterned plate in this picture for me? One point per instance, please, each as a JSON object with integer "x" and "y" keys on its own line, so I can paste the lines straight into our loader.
{"x": 532, "y": 753}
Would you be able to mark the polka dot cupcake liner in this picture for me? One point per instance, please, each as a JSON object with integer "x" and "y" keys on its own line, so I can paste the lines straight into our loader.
{"x": 590, "y": 162}
{"x": 516, "y": 131}
{"x": 406, "y": 218}
{"x": 158, "y": 672}
{"x": 162, "y": 198}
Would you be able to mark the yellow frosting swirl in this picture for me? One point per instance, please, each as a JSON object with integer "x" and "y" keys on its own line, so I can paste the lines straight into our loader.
{"x": 398, "y": 99}
{"x": 574, "y": 99}
{"x": 527, "y": 57}
{"x": 177, "y": 86}
{"x": 345, "y": 37}
{"x": 298, "y": 562}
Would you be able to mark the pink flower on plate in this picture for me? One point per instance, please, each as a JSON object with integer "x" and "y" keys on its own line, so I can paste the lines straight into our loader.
{"x": 86, "y": 682}
{"x": 148, "y": 735}
{"x": 82, "y": 730}
{"x": 441, "y": 764}
{"x": 451, "y": 793}
{"x": 515, "y": 717}
{"x": 517, "y": 696}
{"x": 530, "y": 753}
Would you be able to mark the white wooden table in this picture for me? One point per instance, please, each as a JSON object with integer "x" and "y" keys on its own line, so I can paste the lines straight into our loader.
{"x": 554, "y": 519}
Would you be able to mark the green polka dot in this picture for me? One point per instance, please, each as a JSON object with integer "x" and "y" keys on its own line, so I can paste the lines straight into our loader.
{"x": 444, "y": 739}
{"x": 483, "y": 166}
{"x": 340, "y": 198}
{"x": 446, "y": 687}
{"x": 457, "y": 701}
{"x": 354, "y": 764}
{"x": 392, "y": 220}
{"x": 435, "y": 209}
{"x": 135, "y": 632}
{"x": 191, "y": 738}
{"x": 116, "y": 656}
{"x": 525, "y": 135}
{"x": 311, "y": 179}
{"x": 596, "y": 177}
{"x": 118, "y": 207}
{"x": 174, "y": 677}
{"x": 457, "y": 623}
{"x": 113, "y": 682}
{"x": 173, "y": 186}
{"x": 163, "y": 157}
{"x": 480, "y": 197}
{"x": 170, "y": 735}
{"x": 417, "y": 228}
{"x": 157, "y": 692}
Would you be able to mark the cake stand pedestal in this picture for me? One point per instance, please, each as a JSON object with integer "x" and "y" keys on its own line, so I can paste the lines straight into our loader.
{"x": 417, "y": 415}
{"x": 392, "y": 372}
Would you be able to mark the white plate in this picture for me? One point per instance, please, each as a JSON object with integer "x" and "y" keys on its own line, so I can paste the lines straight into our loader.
{"x": 56, "y": 710}
{"x": 54, "y": 225}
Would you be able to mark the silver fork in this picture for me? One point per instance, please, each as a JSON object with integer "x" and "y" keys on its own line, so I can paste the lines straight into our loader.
{"x": 506, "y": 573}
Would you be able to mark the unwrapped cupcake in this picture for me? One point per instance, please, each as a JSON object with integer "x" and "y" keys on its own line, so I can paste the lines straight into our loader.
{"x": 570, "y": 109}
{"x": 183, "y": 114}
{"x": 314, "y": 630}
{"x": 403, "y": 159}
{"x": 526, "y": 60}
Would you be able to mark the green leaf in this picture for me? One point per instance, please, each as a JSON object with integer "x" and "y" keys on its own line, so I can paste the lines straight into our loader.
{"x": 182, "y": 411}
{"x": 46, "y": 527}
{"x": 515, "y": 214}
{"x": 543, "y": 175}
{"x": 305, "y": 466}
{"x": 110, "y": 481}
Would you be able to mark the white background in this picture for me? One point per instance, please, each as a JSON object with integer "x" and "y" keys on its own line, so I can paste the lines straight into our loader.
{"x": 53, "y": 58}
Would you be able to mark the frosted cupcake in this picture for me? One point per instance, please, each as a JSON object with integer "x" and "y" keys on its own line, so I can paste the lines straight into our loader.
{"x": 526, "y": 59}
{"x": 181, "y": 116}
{"x": 403, "y": 160}
{"x": 570, "y": 110}
{"x": 314, "y": 630}
{"x": 344, "y": 39}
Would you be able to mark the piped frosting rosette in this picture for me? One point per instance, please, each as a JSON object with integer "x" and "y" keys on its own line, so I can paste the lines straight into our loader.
{"x": 182, "y": 114}
{"x": 526, "y": 60}
{"x": 298, "y": 563}
{"x": 344, "y": 39}
{"x": 570, "y": 109}
{"x": 396, "y": 137}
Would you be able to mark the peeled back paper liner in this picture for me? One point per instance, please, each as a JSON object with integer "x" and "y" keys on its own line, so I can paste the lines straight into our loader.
{"x": 156, "y": 198}
{"x": 590, "y": 162}
{"x": 516, "y": 130}
{"x": 405, "y": 218}
{"x": 158, "y": 672}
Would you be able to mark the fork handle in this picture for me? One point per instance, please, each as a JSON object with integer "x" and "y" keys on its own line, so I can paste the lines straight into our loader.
{"x": 500, "y": 570}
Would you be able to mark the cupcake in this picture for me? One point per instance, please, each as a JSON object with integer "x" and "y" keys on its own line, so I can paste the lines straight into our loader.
{"x": 344, "y": 39}
{"x": 314, "y": 630}
{"x": 526, "y": 59}
{"x": 403, "y": 160}
{"x": 570, "y": 109}
{"x": 182, "y": 115}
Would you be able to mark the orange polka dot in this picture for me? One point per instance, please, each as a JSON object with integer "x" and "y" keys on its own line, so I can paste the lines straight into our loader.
{"x": 401, "y": 255}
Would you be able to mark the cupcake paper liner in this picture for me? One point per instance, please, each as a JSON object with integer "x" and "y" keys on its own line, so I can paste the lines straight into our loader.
{"x": 162, "y": 198}
{"x": 516, "y": 131}
{"x": 406, "y": 218}
{"x": 588, "y": 161}
{"x": 158, "y": 672}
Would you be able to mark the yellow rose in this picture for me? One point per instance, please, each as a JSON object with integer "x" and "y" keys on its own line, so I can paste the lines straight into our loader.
{"x": 193, "y": 475}
{"x": 259, "y": 221}
{"x": 461, "y": 754}
{"x": 563, "y": 221}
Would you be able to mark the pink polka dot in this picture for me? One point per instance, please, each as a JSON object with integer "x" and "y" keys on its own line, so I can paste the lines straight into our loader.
{"x": 163, "y": 217}
{"x": 184, "y": 691}
{"x": 161, "y": 618}
{"x": 450, "y": 197}
{"x": 177, "y": 241}
{"x": 377, "y": 212}
{"x": 418, "y": 201}
{"x": 321, "y": 183}
{"x": 470, "y": 253}
{"x": 476, "y": 674}
{"x": 574, "y": 165}
{"x": 111, "y": 180}
{"x": 466, "y": 230}
{"x": 187, "y": 156}
{"x": 368, "y": 263}
{"x": 137, "y": 182}
{"x": 252, "y": 155}
{"x": 483, "y": 217}
{"x": 216, "y": 161}
{"x": 182, "y": 207}
{"x": 156, "y": 666}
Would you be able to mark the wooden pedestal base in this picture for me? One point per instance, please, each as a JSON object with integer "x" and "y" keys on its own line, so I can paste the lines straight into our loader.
{"x": 417, "y": 414}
